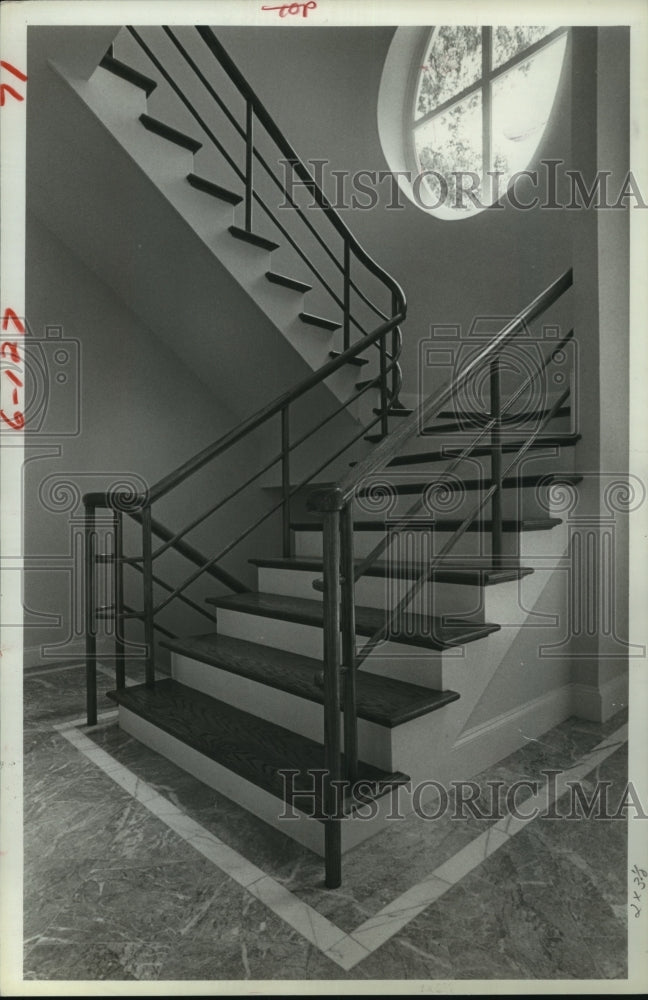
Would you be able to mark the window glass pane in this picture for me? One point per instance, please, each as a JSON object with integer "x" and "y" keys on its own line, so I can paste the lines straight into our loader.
{"x": 453, "y": 63}
{"x": 509, "y": 41}
{"x": 452, "y": 141}
{"x": 522, "y": 102}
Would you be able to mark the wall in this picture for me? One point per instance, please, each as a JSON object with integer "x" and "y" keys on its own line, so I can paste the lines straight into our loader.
{"x": 325, "y": 99}
{"x": 142, "y": 413}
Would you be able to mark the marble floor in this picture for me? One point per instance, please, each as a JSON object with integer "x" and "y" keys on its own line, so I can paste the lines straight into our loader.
{"x": 134, "y": 870}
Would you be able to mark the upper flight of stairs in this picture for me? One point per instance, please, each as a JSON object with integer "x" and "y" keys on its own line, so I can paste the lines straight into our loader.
{"x": 242, "y": 709}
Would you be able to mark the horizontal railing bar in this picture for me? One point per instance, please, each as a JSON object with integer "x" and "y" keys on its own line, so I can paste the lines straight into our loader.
{"x": 264, "y": 517}
{"x": 187, "y": 103}
{"x": 205, "y": 82}
{"x": 384, "y": 543}
{"x": 192, "y": 554}
{"x": 160, "y": 628}
{"x": 240, "y": 174}
{"x": 338, "y": 496}
{"x": 261, "y": 416}
{"x": 381, "y": 633}
{"x": 212, "y": 42}
{"x": 185, "y": 600}
{"x": 295, "y": 444}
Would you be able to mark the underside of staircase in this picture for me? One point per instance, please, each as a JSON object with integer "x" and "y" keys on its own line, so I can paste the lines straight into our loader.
{"x": 412, "y": 564}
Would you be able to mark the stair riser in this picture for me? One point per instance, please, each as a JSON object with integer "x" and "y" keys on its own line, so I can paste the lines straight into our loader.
{"x": 309, "y": 543}
{"x": 391, "y": 659}
{"x": 528, "y": 502}
{"x": 532, "y": 464}
{"x": 380, "y": 592}
{"x": 298, "y": 714}
{"x": 255, "y": 800}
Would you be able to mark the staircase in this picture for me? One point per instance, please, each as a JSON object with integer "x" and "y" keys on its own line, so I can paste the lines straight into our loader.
{"x": 399, "y": 584}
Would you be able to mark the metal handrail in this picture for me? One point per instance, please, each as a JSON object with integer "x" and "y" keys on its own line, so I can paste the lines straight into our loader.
{"x": 338, "y": 496}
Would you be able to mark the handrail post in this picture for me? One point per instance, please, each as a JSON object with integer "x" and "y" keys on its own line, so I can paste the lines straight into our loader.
{"x": 496, "y": 461}
{"x": 118, "y": 598}
{"x": 384, "y": 394}
{"x": 332, "y": 745}
{"x": 147, "y": 569}
{"x": 347, "y": 295}
{"x": 285, "y": 481}
{"x": 90, "y": 538}
{"x": 249, "y": 162}
{"x": 395, "y": 353}
{"x": 349, "y": 646}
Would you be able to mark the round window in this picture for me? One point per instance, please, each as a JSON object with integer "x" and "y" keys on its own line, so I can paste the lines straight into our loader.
{"x": 477, "y": 104}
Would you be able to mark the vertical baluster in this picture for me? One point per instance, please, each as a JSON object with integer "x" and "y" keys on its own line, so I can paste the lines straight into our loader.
{"x": 347, "y": 294}
{"x": 147, "y": 566}
{"x": 349, "y": 645}
{"x": 496, "y": 461}
{"x": 249, "y": 161}
{"x": 118, "y": 599}
{"x": 394, "y": 373}
{"x": 285, "y": 480}
{"x": 332, "y": 748}
{"x": 90, "y": 619}
{"x": 384, "y": 394}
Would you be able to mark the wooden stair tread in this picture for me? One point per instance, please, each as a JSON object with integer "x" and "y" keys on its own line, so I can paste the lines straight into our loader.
{"x": 258, "y": 241}
{"x": 394, "y": 411}
{"x": 121, "y": 69}
{"x": 210, "y": 187}
{"x": 452, "y": 571}
{"x": 509, "y": 483}
{"x": 477, "y": 420}
{"x": 452, "y": 451}
{"x": 381, "y": 700}
{"x": 415, "y": 630}
{"x": 442, "y": 524}
{"x": 172, "y": 134}
{"x": 251, "y": 747}
{"x": 287, "y": 282}
{"x": 320, "y": 321}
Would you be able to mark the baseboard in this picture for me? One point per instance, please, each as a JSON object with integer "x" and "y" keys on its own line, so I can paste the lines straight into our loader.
{"x": 599, "y": 704}
{"x": 487, "y": 743}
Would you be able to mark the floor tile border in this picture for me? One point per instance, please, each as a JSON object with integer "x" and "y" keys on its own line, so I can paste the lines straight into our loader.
{"x": 346, "y": 950}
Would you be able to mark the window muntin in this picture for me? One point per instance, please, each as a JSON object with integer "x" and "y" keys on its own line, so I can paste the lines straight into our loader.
{"x": 510, "y": 74}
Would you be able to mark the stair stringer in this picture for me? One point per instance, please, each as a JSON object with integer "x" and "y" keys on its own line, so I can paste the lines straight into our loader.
{"x": 531, "y": 612}
{"x": 117, "y": 105}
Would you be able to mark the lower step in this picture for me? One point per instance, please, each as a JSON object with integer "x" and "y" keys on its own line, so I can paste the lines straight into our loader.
{"x": 263, "y": 767}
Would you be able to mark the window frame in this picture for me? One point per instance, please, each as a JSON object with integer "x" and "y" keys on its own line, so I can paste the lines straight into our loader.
{"x": 483, "y": 84}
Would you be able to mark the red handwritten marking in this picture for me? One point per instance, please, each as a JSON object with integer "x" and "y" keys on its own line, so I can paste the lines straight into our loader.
{"x": 294, "y": 8}
{"x": 14, "y": 93}
{"x": 17, "y": 422}
{"x": 12, "y": 347}
{"x": 12, "y": 69}
{"x": 8, "y": 315}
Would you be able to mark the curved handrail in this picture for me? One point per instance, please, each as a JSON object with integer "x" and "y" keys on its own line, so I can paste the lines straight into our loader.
{"x": 336, "y": 497}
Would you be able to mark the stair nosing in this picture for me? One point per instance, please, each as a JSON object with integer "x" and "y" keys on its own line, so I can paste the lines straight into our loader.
{"x": 253, "y": 238}
{"x": 319, "y": 321}
{"x": 443, "y": 524}
{"x": 299, "y": 746}
{"x": 287, "y": 282}
{"x": 126, "y": 72}
{"x": 171, "y": 134}
{"x": 453, "y": 451}
{"x": 306, "y": 664}
{"x": 215, "y": 190}
{"x": 526, "y": 481}
{"x": 473, "y": 630}
{"x": 352, "y": 361}
{"x": 442, "y": 574}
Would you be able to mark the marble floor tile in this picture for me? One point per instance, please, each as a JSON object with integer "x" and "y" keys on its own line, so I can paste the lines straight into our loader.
{"x": 114, "y": 891}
